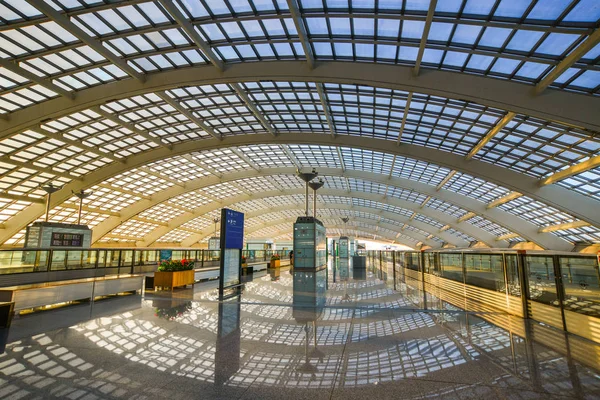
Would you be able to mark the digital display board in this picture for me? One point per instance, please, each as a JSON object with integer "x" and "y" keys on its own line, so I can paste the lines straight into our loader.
{"x": 66, "y": 240}
{"x": 232, "y": 229}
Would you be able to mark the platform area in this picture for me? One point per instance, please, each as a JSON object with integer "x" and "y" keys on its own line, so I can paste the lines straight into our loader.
{"x": 350, "y": 339}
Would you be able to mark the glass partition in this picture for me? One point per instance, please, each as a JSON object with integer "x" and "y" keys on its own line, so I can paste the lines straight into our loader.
{"x": 512, "y": 275}
{"x": 412, "y": 260}
{"x": 581, "y": 281}
{"x": 542, "y": 283}
{"x": 451, "y": 266}
{"x": 485, "y": 271}
{"x": 19, "y": 261}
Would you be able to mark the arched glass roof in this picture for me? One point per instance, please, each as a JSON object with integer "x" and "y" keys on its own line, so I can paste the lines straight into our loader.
{"x": 431, "y": 122}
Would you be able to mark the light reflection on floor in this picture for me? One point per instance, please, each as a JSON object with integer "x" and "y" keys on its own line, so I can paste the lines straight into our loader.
{"x": 361, "y": 338}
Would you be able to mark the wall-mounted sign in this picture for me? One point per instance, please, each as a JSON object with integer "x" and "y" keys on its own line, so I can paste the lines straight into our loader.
{"x": 232, "y": 241}
{"x": 166, "y": 255}
{"x": 66, "y": 240}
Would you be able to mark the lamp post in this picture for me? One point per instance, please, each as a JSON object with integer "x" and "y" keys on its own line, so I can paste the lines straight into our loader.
{"x": 307, "y": 177}
{"x": 81, "y": 195}
{"x": 49, "y": 189}
{"x": 216, "y": 221}
{"x": 315, "y": 186}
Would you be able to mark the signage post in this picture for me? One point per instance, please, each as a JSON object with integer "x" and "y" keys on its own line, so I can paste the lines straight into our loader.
{"x": 232, "y": 241}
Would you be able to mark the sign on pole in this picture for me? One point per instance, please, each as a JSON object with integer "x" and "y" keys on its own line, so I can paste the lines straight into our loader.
{"x": 232, "y": 241}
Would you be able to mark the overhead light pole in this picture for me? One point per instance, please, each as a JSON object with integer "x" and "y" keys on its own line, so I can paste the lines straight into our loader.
{"x": 81, "y": 195}
{"x": 49, "y": 189}
{"x": 315, "y": 186}
{"x": 307, "y": 177}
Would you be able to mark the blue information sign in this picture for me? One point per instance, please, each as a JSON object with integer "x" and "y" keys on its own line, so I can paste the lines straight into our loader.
{"x": 166, "y": 255}
{"x": 233, "y": 225}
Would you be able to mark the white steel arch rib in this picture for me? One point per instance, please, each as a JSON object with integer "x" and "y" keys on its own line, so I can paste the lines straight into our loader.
{"x": 368, "y": 225}
{"x": 560, "y": 106}
{"x": 553, "y": 195}
{"x": 511, "y": 222}
{"x": 444, "y": 218}
{"x": 448, "y": 238}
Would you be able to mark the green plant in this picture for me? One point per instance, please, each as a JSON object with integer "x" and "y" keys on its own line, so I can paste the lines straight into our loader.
{"x": 244, "y": 260}
{"x": 275, "y": 257}
{"x": 176, "y": 265}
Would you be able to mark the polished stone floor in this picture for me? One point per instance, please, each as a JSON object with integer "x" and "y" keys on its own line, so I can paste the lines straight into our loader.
{"x": 349, "y": 339}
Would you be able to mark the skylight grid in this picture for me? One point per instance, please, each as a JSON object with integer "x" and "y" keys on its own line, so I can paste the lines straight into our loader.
{"x": 140, "y": 182}
{"x": 421, "y": 171}
{"x": 250, "y": 205}
{"x": 585, "y": 234}
{"x": 406, "y": 194}
{"x": 416, "y": 230}
{"x": 222, "y": 161}
{"x": 178, "y": 168}
{"x": 13, "y": 98}
{"x": 586, "y": 183}
{"x": 190, "y": 200}
{"x": 447, "y": 208}
{"x": 539, "y": 148}
{"x": 219, "y": 107}
{"x": 108, "y": 198}
{"x": 255, "y": 185}
{"x": 174, "y": 236}
{"x": 489, "y": 226}
{"x": 360, "y": 185}
{"x": 285, "y": 181}
{"x": 161, "y": 212}
{"x": 25, "y": 181}
{"x": 381, "y": 206}
{"x": 316, "y": 156}
{"x": 133, "y": 229}
{"x": 70, "y": 216}
{"x": 333, "y": 199}
{"x": 266, "y": 156}
{"x": 366, "y": 160}
{"x": 475, "y": 188}
{"x": 335, "y": 182}
{"x": 198, "y": 223}
{"x": 536, "y": 212}
{"x": 220, "y": 191}
{"x": 462, "y": 235}
{"x": 283, "y": 200}
{"x": 8, "y": 207}
{"x": 434, "y": 223}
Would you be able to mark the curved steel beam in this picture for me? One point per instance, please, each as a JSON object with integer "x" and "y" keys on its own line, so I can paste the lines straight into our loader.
{"x": 448, "y": 238}
{"x": 129, "y": 212}
{"x": 553, "y": 195}
{"x": 513, "y": 223}
{"x": 478, "y": 233}
{"x": 369, "y": 225}
{"x": 556, "y": 105}
{"x": 381, "y": 235}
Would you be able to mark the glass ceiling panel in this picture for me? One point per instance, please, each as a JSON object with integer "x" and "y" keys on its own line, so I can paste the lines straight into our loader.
{"x": 586, "y": 183}
{"x": 475, "y": 188}
{"x": 539, "y": 148}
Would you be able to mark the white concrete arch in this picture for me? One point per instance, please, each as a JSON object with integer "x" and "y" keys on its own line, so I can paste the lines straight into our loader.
{"x": 570, "y": 202}
{"x": 561, "y": 106}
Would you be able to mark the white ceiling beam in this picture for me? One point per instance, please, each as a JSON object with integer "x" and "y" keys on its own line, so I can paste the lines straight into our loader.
{"x": 575, "y": 169}
{"x": 188, "y": 114}
{"x": 291, "y": 156}
{"x": 445, "y": 180}
{"x": 424, "y": 37}
{"x": 202, "y": 165}
{"x": 245, "y": 158}
{"x": 302, "y": 33}
{"x": 252, "y": 107}
{"x": 567, "y": 62}
{"x": 405, "y": 116}
{"x": 504, "y": 199}
{"x": 564, "y": 227}
{"x": 145, "y": 134}
{"x": 108, "y": 186}
{"x": 561, "y": 106}
{"x": 191, "y": 31}
{"x": 80, "y": 34}
{"x": 493, "y": 132}
{"x": 161, "y": 176}
{"x": 46, "y": 83}
{"x": 325, "y": 105}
